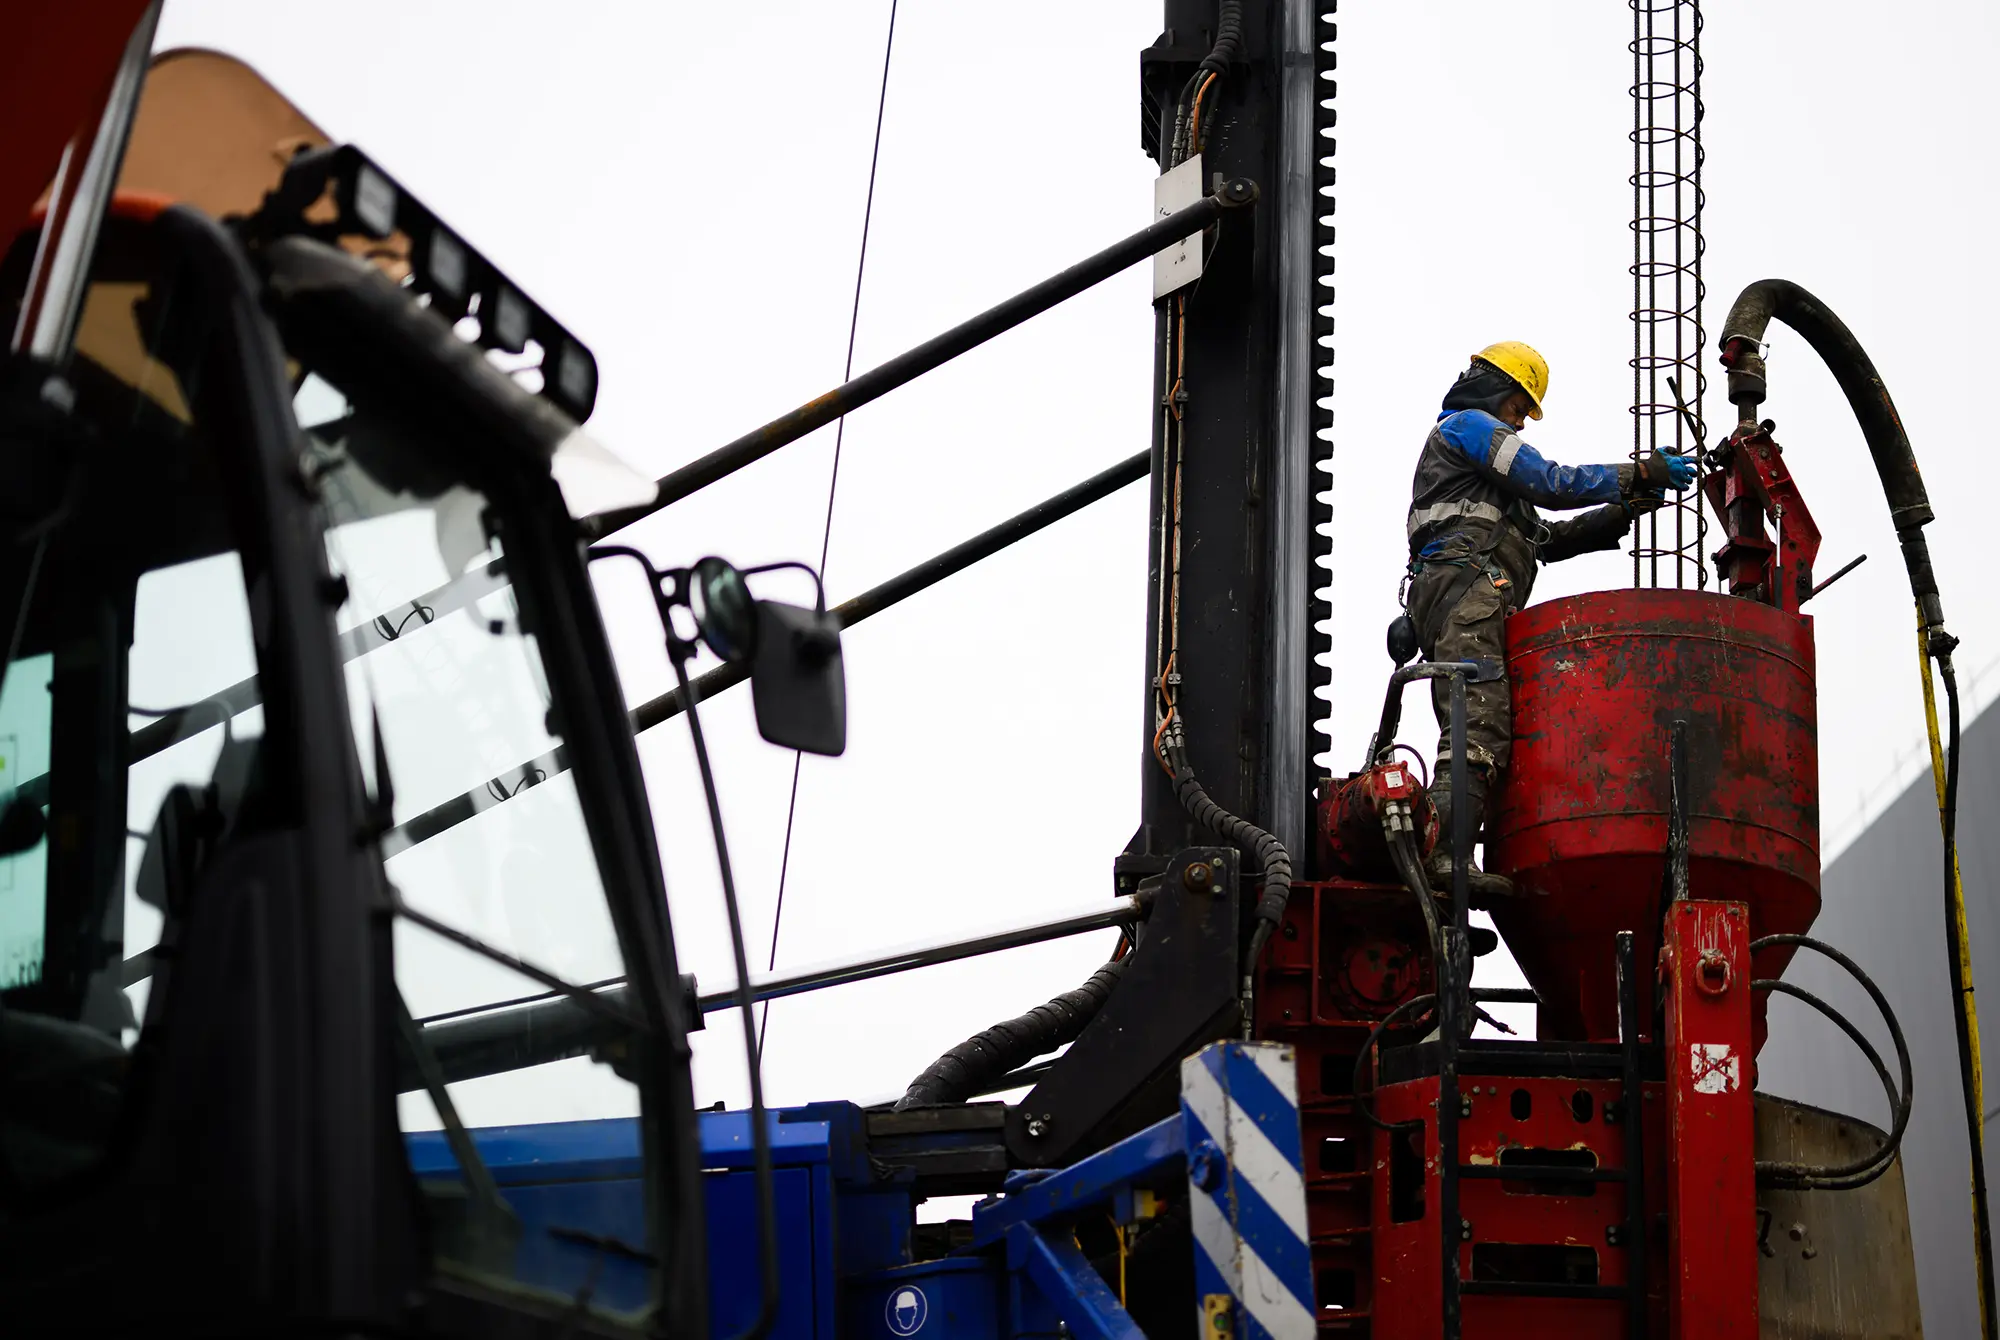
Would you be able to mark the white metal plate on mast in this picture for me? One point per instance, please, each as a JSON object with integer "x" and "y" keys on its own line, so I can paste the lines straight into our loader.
{"x": 1180, "y": 264}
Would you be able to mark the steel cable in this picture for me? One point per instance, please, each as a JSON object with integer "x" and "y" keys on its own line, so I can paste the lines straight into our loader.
{"x": 832, "y": 485}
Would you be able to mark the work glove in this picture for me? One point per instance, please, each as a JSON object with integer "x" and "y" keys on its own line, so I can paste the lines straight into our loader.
{"x": 1663, "y": 470}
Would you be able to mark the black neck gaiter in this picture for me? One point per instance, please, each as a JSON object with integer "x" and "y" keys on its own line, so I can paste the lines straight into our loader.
{"x": 1481, "y": 386}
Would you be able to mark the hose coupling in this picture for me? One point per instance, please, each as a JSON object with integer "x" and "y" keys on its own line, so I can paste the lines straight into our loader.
{"x": 1744, "y": 359}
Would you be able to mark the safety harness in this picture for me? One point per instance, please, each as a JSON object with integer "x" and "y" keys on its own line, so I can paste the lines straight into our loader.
{"x": 1470, "y": 567}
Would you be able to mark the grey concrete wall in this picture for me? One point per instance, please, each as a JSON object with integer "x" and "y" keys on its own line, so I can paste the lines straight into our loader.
{"x": 1884, "y": 906}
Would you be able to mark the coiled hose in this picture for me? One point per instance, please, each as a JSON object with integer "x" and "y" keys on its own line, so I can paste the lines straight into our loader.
{"x": 1228, "y": 39}
{"x": 1273, "y": 861}
{"x": 1859, "y": 1172}
{"x": 1227, "y": 46}
{"x": 1909, "y": 511}
{"x": 1364, "y": 1099}
{"x": 986, "y": 1056}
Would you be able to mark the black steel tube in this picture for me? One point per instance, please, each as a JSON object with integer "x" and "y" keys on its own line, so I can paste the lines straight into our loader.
{"x": 1505, "y": 995}
{"x": 1121, "y": 913}
{"x": 449, "y": 814}
{"x": 1461, "y": 822}
{"x": 1401, "y": 678}
{"x": 1451, "y": 1230}
{"x": 515, "y": 1039}
{"x": 928, "y": 573}
{"x": 560, "y": 1027}
{"x": 1451, "y": 982}
{"x": 1024, "y": 1078}
{"x": 819, "y": 412}
{"x": 878, "y": 381}
{"x": 1637, "y": 1305}
{"x": 1848, "y": 567}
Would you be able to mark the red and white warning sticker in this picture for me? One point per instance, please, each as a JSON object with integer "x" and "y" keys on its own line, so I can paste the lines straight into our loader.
{"x": 1716, "y": 1067}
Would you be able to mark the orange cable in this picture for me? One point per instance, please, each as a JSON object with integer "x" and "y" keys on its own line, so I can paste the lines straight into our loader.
{"x": 1194, "y": 119}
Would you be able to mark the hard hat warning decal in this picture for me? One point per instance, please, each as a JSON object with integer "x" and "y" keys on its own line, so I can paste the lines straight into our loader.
{"x": 1715, "y": 1067}
{"x": 907, "y": 1310}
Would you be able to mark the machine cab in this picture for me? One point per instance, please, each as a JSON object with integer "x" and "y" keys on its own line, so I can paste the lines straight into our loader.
{"x": 280, "y": 611}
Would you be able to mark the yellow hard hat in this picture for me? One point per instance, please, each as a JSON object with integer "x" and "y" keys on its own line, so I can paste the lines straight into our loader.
{"x": 1529, "y": 369}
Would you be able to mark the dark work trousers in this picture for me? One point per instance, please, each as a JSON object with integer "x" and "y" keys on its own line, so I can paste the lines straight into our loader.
{"x": 1472, "y": 629}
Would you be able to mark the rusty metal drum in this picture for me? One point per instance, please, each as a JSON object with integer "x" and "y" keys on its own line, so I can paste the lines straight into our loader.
{"x": 1581, "y": 823}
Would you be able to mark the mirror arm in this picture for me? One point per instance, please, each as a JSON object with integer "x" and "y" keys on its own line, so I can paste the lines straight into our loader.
{"x": 807, "y": 568}
{"x": 655, "y": 583}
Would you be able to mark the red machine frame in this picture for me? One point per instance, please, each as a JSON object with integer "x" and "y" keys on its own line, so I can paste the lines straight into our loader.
{"x": 1600, "y": 1183}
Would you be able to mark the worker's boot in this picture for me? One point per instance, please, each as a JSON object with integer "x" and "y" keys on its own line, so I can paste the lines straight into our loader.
{"x": 1482, "y": 886}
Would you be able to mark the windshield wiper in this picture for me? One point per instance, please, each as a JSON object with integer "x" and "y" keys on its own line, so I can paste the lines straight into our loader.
{"x": 495, "y": 1228}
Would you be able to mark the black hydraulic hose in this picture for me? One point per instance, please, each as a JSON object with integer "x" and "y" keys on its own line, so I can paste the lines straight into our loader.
{"x": 1228, "y": 39}
{"x": 1965, "y": 1018}
{"x": 1900, "y": 1105}
{"x": 974, "y": 1064}
{"x": 1860, "y": 1172}
{"x": 1403, "y": 850}
{"x": 1274, "y": 862}
{"x": 1361, "y": 1099}
{"x": 1227, "y": 46}
{"x": 1881, "y": 426}
{"x": 1909, "y": 511}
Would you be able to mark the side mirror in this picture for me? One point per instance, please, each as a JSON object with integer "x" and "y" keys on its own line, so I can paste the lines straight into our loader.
{"x": 724, "y": 609}
{"x": 797, "y": 682}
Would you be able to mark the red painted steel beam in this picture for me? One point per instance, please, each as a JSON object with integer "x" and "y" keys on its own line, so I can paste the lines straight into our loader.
{"x": 55, "y": 64}
{"x": 1753, "y": 486}
{"x": 1711, "y": 1175}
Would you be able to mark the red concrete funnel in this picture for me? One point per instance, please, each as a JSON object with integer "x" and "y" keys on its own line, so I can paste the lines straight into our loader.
{"x": 1581, "y": 824}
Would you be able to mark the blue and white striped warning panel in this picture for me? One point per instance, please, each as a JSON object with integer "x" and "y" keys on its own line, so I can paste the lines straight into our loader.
{"x": 1247, "y": 1192}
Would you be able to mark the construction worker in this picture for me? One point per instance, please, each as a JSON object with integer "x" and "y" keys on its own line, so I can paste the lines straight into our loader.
{"x": 1475, "y": 542}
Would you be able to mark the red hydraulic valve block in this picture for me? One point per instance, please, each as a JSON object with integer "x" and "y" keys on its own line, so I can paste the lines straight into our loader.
{"x": 1357, "y": 813}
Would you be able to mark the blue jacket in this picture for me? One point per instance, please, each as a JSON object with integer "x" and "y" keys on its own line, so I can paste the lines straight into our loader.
{"x": 1475, "y": 472}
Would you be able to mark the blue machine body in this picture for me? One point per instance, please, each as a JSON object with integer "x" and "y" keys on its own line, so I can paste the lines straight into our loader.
{"x": 845, "y": 1214}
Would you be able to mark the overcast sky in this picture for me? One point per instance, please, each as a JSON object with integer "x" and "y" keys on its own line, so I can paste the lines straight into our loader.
{"x": 683, "y": 185}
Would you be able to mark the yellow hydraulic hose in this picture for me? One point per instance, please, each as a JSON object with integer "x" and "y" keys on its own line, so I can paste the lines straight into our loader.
{"x": 1961, "y": 967}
